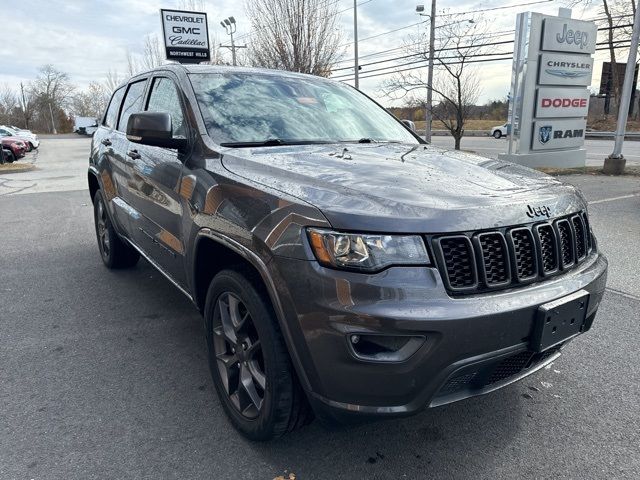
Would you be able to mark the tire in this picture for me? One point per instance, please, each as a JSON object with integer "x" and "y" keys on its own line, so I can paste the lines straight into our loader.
{"x": 114, "y": 251}
{"x": 9, "y": 157}
{"x": 253, "y": 350}
{"x": 497, "y": 134}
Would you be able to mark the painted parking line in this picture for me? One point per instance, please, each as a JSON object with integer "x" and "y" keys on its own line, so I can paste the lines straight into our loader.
{"x": 613, "y": 199}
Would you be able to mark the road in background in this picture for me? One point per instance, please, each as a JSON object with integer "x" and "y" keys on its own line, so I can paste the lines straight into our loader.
{"x": 103, "y": 374}
{"x": 597, "y": 150}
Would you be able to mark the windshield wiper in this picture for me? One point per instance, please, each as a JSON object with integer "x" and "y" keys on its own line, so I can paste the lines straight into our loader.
{"x": 272, "y": 142}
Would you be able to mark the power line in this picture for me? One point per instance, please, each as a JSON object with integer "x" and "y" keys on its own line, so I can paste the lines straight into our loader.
{"x": 422, "y": 64}
{"x": 422, "y": 54}
{"x": 495, "y": 8}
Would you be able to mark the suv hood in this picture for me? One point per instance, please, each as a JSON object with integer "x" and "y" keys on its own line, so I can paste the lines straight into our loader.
{"x": 404, "y": 188}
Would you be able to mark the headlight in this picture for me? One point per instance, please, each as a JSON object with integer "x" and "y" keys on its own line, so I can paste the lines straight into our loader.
{"x": 366, "y": 252}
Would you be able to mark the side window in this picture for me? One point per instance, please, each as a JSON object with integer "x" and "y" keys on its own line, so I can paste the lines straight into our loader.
{"x": 164, "y": 98}
{"x": 132, "y": 103}
{"x": 114, "y": 107}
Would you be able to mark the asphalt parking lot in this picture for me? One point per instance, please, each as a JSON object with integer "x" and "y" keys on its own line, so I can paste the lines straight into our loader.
{"x": 103, "y": 374}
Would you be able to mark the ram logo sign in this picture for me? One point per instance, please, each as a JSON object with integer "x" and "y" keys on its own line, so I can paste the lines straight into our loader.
{"x": 186, "y": 37}
{"x": 558, "y": 134}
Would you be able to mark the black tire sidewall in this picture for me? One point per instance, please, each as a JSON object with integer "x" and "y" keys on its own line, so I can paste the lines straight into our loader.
{"x": 497, "y": 134}
{"x": 278, "y": 373}
{"x": 99, "y": 198}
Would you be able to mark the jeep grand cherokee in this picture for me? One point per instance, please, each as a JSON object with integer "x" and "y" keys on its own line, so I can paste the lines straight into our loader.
{"x": 342, "y": 265}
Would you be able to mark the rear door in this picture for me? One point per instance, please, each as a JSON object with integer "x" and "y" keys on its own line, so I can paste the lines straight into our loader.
{"x": 156, "y": 174}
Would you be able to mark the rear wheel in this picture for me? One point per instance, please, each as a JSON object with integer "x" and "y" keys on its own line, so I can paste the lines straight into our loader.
{"x": 497, "y": 134}
{"x": 114, "y": 251}
{"x": 248, "y": 359}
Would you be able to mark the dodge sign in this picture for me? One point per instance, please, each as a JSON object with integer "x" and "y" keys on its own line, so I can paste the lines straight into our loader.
{"x": 562, "y": 102}
{"x": 186, "y": 36}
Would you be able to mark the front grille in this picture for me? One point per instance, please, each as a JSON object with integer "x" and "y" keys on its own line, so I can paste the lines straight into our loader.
{"x": 458, "y": 259}
{"x": 581, "y": 239}
{"x": 548, "y": 248}
{"x": 480, "y": 261}
{"x": 524, "y": 253}
{"x": 566, "y": 242}
{"x": 509, "y": 367}
{"x": 494, "y": 258}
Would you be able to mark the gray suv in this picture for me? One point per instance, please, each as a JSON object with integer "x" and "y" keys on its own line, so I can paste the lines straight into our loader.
{"x": 343, "y": 266}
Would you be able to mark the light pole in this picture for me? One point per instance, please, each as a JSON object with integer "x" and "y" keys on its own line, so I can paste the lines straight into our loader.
{"x": 615, "y": 163}
{"x": 355, "y": 43}
{"x": 229, "y": 25}
{"x": 432, "y": 41}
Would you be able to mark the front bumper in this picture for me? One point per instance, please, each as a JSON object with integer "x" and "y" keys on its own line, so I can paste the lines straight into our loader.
{"x": 462, "y": 335}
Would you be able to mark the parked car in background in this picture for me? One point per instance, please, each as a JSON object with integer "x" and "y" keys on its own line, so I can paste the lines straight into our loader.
{"x": 30, "y": 139}
{"x": 15, "y": 146}
{"x": 501, "y": 130}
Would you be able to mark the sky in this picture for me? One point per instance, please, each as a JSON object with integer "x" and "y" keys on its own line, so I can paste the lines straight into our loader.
{"x": 86, "y": 39}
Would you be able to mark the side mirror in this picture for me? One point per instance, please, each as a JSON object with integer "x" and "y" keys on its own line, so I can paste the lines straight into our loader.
{"x": 154, "y": 129}
{"x": 409, "y": 124}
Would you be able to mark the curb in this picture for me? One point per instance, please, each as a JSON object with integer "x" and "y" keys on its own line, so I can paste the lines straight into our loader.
{"x": 28, "y": 168}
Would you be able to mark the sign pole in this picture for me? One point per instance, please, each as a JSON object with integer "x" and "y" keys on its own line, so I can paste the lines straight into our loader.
{"x": 614, "y": 164}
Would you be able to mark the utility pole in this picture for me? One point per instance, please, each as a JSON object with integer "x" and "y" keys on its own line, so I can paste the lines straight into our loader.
{"x": 229, "y": 25}
{"x": 614, "y": 164}
{"x": 355, "y": 42}
{"x": 432, "y": 41}
{"x": 53, "y": 125}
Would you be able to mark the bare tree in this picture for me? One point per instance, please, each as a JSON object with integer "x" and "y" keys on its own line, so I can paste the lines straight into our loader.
{"x": 112, "y": 81}
{"x": 91, "y": 102}
{"x": 456, "y": 84}
{"x": 617, "y": 17}
{"x": 296, "y": 35}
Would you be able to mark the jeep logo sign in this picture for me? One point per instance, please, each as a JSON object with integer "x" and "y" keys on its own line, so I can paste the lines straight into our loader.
{"x": 558, "y": 134}
{"x": 566, "y": 35}
{"x": 186, "y": 37}
{"x": 562, "y": 102}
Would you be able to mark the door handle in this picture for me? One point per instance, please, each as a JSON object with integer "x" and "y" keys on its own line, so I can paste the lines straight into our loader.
{"x": 106, "y": 142}
{"x": 133, "y": 154}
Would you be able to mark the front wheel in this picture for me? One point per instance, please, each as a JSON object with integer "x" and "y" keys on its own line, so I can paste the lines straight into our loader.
{"x": 248, "y": 359}
{"x": 114, "y": 252}
{"x": 497, "y": 134}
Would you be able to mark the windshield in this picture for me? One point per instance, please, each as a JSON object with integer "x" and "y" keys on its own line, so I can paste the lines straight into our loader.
{"x": 252, "y": 108}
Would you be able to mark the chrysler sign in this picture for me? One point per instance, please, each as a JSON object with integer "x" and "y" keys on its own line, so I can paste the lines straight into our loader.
{"x": 567, "y": 35}
{"x": 558, "y": 134}
{"x": 186, "y": 36}
{"x": 562, "y": 102}
{"x": 565, "y": 69}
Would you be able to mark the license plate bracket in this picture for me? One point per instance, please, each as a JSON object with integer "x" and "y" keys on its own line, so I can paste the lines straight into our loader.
{"x": 560, "y": 320}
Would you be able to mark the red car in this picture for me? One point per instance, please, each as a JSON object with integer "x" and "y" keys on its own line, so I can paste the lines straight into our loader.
{"x": 15, "y": 145}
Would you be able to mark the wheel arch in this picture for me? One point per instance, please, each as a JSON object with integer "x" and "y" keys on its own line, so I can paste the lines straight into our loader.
{"x": 214, "y": 253}
{"x": 94, "y": 183}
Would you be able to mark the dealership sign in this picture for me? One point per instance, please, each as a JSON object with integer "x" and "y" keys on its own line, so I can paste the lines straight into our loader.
{"x": 186, "y": 36}
{"x": 566, "y": 35}
{"x": 562, "y": 102}
{"x": 555, "y": 134}
{"x": 565, "y": 69}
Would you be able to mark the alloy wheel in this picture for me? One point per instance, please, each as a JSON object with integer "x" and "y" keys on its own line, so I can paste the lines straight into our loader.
{"x": 239, "y": 355}
{"x": 103, "y": 231}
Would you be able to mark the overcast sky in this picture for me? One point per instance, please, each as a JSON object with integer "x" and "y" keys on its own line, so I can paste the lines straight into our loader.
{"x": 88, "y": 38}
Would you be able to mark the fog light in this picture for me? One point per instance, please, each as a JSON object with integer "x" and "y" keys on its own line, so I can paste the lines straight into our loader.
{"x": 385, "y": 348}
